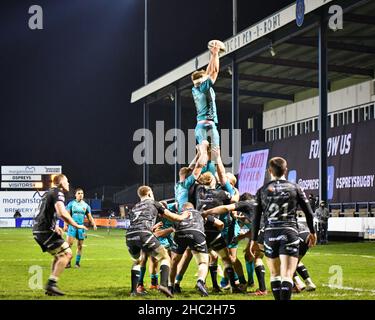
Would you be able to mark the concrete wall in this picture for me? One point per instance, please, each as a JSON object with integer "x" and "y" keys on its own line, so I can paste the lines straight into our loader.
{"x": 337, "y": 100}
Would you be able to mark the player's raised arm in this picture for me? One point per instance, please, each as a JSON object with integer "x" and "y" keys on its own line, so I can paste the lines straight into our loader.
{"x": 214, "y": 64}
{"x": 223, "y": 179}
{"x": 194, "y": 161}
{"x": 64, "y": 214}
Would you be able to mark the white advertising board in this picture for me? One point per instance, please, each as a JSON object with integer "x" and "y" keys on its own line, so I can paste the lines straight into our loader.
{"x": 22, "y": 185}
{"x": 26, "y": 202}
{"x": 7, "y": 223}
{"x": 26, "y": 170}
{"x": 29, "y": 177}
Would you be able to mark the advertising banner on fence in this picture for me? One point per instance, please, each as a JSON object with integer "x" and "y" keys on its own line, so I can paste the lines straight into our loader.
{"x": 252, "y": 171}
{"x": 25, "y": 202}
{"x": 351, "y": 161}
{"x": 112, "y": 223}
{"x": 24, "y": 222}
{"x": 22, "y": 170}
{"x": 7, "y": 223}
{"x": 29, "y": 222}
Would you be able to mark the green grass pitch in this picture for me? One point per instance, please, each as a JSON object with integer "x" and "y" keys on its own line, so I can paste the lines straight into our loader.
{"x": 105, "y": 267}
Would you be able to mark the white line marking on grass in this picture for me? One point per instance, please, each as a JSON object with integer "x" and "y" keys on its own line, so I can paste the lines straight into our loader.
{"x": 341, "y": 254}
{"x": 88, "y": 259}
{"x": 348, "y": 288}
{"x": 94, "y": 235}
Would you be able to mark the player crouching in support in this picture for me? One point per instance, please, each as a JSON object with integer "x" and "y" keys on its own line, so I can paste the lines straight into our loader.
{"x": 278, "y": 201}
{"x": 78, "y": 209}
{"x": 140, "y": 236}
{"x": 47, "y": 233}
{"x": 246, "y": 207}
{"x": 163, "y": 231}
{"x": 208, "y": 197}
{"x": 303, "y": 233}
{"x": 190, "y": 233}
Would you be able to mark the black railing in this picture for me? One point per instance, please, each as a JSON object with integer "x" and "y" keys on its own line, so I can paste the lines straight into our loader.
{"x": 356, "y": 206}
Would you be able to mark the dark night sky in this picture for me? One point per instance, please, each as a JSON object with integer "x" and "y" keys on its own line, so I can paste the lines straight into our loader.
{"x": 65, "y": 90}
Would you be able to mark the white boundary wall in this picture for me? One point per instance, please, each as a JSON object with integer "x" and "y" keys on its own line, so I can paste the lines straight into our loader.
{"x": 337, "y": 100}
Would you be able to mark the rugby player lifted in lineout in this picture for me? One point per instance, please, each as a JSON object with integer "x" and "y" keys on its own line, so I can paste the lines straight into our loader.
{"x": 204, "y": 99}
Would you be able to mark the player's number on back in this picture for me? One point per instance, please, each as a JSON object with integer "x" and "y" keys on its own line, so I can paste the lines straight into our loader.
{"x": 136, "y": 215}
{"x": 275, "y": 209}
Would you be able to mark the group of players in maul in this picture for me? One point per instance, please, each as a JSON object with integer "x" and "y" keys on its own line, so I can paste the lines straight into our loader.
{"x": 207, "y": 220}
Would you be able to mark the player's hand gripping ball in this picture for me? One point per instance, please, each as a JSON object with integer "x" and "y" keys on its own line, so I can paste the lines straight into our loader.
{"x": 217, "y": 43}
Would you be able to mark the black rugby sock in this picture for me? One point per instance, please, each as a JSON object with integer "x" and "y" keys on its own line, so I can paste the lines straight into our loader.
{"x": 134, "y": 279}
{"x": 164, "y": 275}
{"x": 213, "y": 273}
{"x": 154, "y": 279}
{"x": 302, "y": 271}
{"x": 230, "y": 273}
{"x": 286, "y": 290}
{"x": 275, "y": 286}
{"x": 52, "y": 282}
{"x": 261, "y": 272}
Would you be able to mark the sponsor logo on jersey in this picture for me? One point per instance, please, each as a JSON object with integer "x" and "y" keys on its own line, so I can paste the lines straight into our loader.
{"x": 134, "y": 238}
{"x": 279, "y": 238}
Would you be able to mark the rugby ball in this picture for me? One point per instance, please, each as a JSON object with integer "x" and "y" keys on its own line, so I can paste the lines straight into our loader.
{"x": 217, "y": 43}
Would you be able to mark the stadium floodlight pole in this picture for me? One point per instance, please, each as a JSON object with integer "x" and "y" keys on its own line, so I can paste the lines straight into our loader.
{"x": 235, "y": 17}
{"x": 177, "y": 126}
{"x": 235, "y": 94}
{"x": 323, "y": 107}
{"x": 146, "y": 43}
{"x": 145, "y": 108}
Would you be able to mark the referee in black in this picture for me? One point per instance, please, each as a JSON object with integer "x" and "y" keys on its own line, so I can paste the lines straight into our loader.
{"x": 278, "y": 200}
